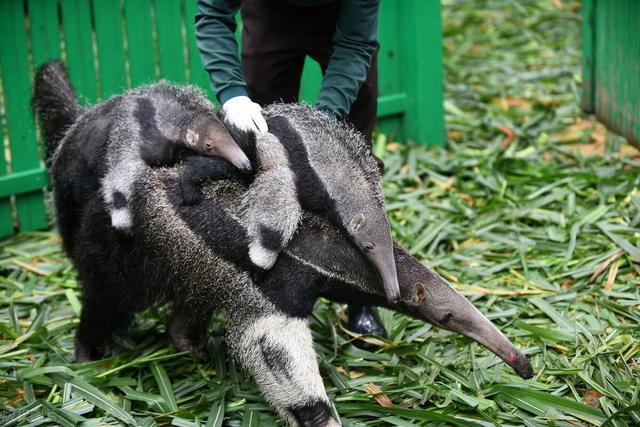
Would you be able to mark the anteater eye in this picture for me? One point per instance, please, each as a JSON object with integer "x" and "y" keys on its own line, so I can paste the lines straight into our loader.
{"x": 208, "y": 145}
{"x": 368, "y": 246}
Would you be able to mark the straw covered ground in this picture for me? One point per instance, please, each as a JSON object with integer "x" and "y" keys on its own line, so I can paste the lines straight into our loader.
{"x": 533, "y": 212}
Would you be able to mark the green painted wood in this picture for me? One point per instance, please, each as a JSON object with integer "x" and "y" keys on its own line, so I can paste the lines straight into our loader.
{"x": 170, "y": 43}
{"x": 311, "y": 80}
{"x": 392, "y": 105}
{"x": 588, "y": 33}
{"x": 107, "y": 16}
{"x": 23, "y": 182}
{"x": 6, "y": 211}
{"x": 14, "y": 63}
{"x": 390, "y": 77}
{"x": 421, "y": 65}
{"x": 197, "y": 74}
{"x": 141, "y": 52}
{"x": 45, "y": 34}
{"x": 76, "y": 24}
{"x": 616, "y": 58}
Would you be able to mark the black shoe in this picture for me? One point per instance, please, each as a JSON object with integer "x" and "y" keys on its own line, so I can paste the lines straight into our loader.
{"x": 363, "y": 319}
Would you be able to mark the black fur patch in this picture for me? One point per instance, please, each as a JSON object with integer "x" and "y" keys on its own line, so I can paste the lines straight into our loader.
{"x": 312, "y": 414}
{"x": 292, "y": 286}
{"x": 198, "y": 169}
{"x": 119, "y": 201}
{"x": 270, "y": 239}
{"x": 155, "y": 148}
{"x": 146, "y": 116}
{"x": 311, "y": 190}
{"x": 276, "y": 358}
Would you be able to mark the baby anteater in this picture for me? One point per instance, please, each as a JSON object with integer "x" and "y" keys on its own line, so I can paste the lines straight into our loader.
{"x": 159, "y": 125}
{"x": 311, "y": 161}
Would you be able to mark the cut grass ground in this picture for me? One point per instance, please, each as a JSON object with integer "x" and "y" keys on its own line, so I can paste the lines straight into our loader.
{"x": 533, "y": 213}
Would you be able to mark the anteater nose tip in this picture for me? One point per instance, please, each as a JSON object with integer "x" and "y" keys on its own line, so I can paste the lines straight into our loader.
{"x": 521, "y": 365}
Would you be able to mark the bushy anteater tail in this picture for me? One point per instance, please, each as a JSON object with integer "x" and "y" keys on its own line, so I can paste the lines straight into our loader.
{"x": 55, "y": 102}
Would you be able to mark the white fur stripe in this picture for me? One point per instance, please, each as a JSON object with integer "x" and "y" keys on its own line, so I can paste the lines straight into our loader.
{"x": 321, "y": 270}
{"x": 261, "y": 256}
{"x": 121, "y": 218}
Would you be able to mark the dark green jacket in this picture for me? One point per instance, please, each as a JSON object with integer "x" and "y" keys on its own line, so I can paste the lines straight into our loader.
{"x": 355, "y": 42}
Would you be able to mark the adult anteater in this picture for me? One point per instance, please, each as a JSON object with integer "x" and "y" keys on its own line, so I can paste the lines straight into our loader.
{"x": 197, "y": 257}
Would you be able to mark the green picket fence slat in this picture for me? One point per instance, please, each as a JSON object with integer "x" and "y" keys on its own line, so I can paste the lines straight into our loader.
{"x": 140, "y": 52}
{"x": 170, "y": 45}
{"x": 107, "y": 16}
{"x": 45, "y": 34}
{"x": 197, "y": 74}
{"x": 21, "y": 130}
{"x": 76, "y": 24}
{"x": 6, "y": 212}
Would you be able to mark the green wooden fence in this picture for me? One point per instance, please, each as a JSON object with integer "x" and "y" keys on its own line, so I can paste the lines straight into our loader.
{"x": 611, "y": 65}
{"x": 112, "y": 45}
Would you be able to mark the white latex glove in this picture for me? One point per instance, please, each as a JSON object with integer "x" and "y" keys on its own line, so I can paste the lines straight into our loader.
{"x": 244, "y": 114}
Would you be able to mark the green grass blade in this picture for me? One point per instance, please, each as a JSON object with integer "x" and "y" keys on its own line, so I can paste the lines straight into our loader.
{"x": 164, "y": 384}
{"x": 216, "y": 414}
{"x": 545, "y": 403}
{"x": 96, "y": 397}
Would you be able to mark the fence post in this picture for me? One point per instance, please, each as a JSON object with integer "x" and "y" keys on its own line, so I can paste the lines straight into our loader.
{"x": 422, "y": 70}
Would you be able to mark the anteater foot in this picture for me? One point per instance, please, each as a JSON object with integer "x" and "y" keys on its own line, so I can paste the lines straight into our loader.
{"x": 365, "y": 320}
{"x": 85, "y": 353}
{"x": 187, "y": 337}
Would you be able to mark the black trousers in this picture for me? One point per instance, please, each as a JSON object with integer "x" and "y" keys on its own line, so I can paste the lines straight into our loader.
{"x": 276, "y": 37}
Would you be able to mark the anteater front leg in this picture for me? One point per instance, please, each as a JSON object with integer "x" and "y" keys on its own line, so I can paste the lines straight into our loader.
{"x": 277, "y": 351}
{"x": 197, "y": 169}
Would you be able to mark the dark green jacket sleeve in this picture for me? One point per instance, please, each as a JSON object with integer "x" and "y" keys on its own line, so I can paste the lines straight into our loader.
{"x": 215, "y": 28}
{"x": 354, "y": 43}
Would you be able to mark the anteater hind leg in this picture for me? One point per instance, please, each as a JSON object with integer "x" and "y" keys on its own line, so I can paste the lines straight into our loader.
{"x": 104, "y": 312}
{"x": 277, "y": 351}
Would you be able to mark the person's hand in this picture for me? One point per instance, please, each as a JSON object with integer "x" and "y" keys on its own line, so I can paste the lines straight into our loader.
{"x": 244, "y": 114}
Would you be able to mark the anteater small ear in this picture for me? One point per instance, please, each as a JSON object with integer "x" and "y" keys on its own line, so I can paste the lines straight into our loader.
{"x": 357, "y": 222}
{"x": 192, "y": 137}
